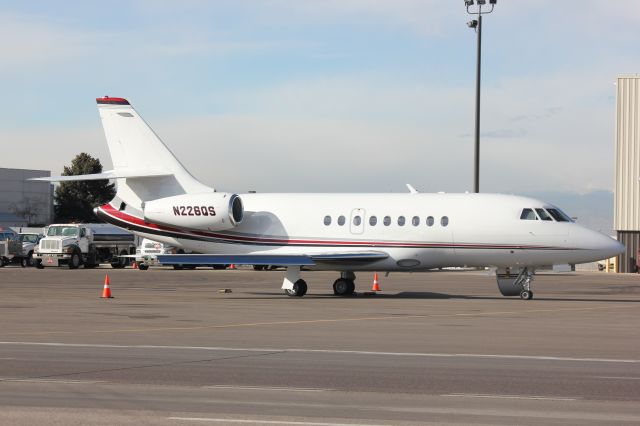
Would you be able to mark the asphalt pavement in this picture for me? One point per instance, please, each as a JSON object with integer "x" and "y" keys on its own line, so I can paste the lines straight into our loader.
{"x": 431, "y": 348}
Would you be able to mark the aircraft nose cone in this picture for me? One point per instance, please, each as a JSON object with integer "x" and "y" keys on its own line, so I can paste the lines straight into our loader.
{"x": 615, "y": 247}
{"x": 607, "y": 247}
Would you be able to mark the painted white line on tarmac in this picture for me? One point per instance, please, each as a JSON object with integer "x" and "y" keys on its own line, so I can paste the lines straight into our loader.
{"x": 56, "y": 381}
{"x": 268, "y": 388}
{"x": 481, "y": 395}
{"x": 330, "y": 351}
{"x": 617, "y": 377}
{"x": 266, "y": 422}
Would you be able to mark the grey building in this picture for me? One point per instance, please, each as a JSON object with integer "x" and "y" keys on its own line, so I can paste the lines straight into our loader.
{"x": 626, "y": 216}
{"x": 25, "y": 202}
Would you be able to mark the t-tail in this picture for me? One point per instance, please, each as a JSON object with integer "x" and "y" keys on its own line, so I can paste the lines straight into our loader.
{"x": 151, "y": 182}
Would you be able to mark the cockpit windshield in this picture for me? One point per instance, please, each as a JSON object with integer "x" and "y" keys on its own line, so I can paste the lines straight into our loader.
{"x": 548, "y": 214}
{"x": 559, "y": 215}
{"x": 66, "y": 231}
{"x": 528, "y": 214}
{"x": 543, "y": 214}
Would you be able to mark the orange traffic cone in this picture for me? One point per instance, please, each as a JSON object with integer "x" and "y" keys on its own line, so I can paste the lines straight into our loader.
{"x": 232, "y": 266}
{"x": 134, "y": 265}
{"x": 106, "y": 291}
{"x": 376, "y": 286}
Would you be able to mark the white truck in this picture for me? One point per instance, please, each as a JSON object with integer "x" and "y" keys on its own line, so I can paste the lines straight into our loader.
{"x": 147, "y": 255}
{"x": 76, "y": 244}
{"x": 17, "y": 248}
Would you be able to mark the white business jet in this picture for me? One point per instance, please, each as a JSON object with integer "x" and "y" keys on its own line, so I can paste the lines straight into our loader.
{"x": 158, "y": 198}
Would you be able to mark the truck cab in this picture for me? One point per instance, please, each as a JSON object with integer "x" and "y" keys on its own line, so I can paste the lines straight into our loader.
{"x": 87, "y": 244}
{"x": 68, "y": 244}
{"x": 148, "y": 251}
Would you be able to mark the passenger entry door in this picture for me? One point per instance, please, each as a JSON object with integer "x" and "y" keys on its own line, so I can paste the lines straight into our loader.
{"x": 357, "y": 221}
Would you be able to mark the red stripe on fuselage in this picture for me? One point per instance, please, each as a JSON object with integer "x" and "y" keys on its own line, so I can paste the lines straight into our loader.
{"x": 110, "y": 211}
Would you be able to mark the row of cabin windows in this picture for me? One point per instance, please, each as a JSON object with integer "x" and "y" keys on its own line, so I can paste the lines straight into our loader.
{"x": 545, "y": 214}
{"x": 386, "y": 221}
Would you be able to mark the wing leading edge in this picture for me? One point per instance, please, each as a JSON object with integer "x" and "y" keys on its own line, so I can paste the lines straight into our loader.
{"x": 270, "y": 259}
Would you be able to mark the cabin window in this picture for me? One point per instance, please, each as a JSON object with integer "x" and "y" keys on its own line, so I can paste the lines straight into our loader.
{"x": 559, "y": 215}
{"x": 357, "y": 220}
{"x": 430, "y": 221}
{"x": 528, "y": 214}
{"x": 327, "y": 220}
{"x": 373, "y": 220}
{"x": 415, "y": 221}
{"x": 444, "y": 221}
{"x": 543, "y": 214}
{"x": 387, "y": 220}
{"x": 401, "y": 220}
{"x": 341, "y": 220}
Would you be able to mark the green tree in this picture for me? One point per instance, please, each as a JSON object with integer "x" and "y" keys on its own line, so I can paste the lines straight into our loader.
{"x": 74, "y": 201}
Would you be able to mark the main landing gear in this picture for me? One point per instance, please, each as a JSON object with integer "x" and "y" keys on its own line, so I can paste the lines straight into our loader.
{"x": 299, "y": 289}
{"x": 294, "y": 286}
{"x": 345, "y": 285}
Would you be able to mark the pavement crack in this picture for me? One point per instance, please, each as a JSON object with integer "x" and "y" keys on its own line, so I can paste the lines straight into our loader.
{"x": 164, "y": 364}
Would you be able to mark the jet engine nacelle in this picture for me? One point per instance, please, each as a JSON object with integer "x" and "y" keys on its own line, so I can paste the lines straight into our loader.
{"x": 213, "y": 211}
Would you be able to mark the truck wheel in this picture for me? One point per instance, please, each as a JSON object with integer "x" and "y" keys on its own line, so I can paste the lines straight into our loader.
{"x": 39, "y": 264}
{"x": 74, "y": 261}
{"x": 2, "y": 262}
{"x": 143, "y": 267}
{"x": 23, "y": 262}
{"x": 178, "y": 267}
{"x": 30, "y": 259}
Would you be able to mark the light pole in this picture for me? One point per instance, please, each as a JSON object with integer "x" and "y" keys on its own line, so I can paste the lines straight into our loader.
{"x": 477, "y": 25}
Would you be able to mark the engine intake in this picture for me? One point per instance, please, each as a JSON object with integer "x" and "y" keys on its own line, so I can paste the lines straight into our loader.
{"x": 213, "y": 211}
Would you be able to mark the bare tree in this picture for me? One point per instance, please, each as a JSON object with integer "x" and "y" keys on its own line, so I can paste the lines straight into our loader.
{"x": 29, "y": 208}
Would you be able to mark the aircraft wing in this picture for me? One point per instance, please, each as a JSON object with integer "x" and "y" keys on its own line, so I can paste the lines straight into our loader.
{"x": 270, "y": 259}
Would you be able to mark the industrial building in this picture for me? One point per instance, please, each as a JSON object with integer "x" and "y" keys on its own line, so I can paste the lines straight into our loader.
{"x": 626, "y": 220}
{"x": 24, "y": 202}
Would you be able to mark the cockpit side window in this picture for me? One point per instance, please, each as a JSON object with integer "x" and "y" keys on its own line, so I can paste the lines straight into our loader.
{"x": 543, "y": 214}
{"x": 528, "y": 214}
{"x": 559, "y": 215}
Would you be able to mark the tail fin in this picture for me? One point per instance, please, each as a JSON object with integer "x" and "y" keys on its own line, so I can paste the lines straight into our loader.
{"x": 144, "y": 167}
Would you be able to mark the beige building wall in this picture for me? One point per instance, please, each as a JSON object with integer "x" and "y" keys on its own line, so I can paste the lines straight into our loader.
{"x": 626, "y": 220}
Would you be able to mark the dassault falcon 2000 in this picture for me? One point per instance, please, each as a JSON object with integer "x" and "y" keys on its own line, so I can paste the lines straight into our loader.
{"x": 158, "y": 198}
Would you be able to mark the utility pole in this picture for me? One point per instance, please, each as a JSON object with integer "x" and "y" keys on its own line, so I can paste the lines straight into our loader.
{"x": 476, "y": 24}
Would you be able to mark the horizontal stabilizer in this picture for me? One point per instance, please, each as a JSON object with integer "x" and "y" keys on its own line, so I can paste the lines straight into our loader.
{"x": 109, "y": 174}
{"x": 269, "y": 259}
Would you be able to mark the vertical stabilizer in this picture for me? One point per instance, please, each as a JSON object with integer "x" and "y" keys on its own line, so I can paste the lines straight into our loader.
{"x": 133, "y": 146}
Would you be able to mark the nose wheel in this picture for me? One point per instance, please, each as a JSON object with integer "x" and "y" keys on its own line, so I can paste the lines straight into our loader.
{"x": 526, "y": 295}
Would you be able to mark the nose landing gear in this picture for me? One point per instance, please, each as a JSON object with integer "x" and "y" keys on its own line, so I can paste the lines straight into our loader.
{"x": 515, "y": 282}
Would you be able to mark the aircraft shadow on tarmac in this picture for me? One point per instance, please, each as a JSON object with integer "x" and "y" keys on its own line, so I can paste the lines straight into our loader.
{"x": 435, "y": 296}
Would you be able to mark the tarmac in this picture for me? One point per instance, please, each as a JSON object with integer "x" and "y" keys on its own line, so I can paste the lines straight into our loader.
{"x": 430, "y": 348}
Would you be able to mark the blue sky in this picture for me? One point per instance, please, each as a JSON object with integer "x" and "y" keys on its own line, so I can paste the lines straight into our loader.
{"x": 311, "y": 95}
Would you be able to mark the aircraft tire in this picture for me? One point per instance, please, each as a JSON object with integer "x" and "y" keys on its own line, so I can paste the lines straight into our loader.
{"x": 299, "y": 289}
{"x": 343, "y": 287}
{"x": 526, "y": 295}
